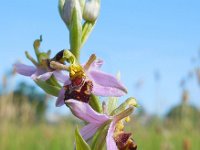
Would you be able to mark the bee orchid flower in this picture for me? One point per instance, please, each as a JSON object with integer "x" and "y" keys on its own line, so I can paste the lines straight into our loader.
{"x": 42, "y": 71}
{"x": 91, "y": 81}
{"x": 116, "y": 138}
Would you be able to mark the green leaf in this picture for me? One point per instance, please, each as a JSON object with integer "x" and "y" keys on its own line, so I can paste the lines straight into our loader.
{"x": 112, "y": 104}
{"x": 99, "y": 138}
{"x": 95, "y": 103}
{"x": 75, "y": 33}
{"x": 80, "y": 142}
{"x": 50, "y": 89}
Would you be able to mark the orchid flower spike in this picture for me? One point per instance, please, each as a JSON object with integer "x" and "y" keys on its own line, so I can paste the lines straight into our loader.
{"x": 87, "y": 79}
{"x": 116, "y": 138}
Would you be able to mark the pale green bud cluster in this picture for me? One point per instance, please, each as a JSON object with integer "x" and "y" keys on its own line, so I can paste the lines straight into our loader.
{"x": 89, "y": 10}
{"x": 80, "y": 17}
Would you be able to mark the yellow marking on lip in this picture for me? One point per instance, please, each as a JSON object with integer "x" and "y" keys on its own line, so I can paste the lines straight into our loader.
{"x": 119, "y": 126}
{"x": 76, "y": 71}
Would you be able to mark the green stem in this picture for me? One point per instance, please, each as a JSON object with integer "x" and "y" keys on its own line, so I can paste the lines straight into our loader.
{"x": 76, "y": 53}
{"x": 75, "y": 34}
{"x": 95, "y": 103}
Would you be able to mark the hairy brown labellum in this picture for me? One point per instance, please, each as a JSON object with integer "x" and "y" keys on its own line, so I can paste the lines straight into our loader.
{"x": 131, "y": 145}
{"x": 80, "y": 93}
{"x": 124, "y": 142}
{"x": 78, "y": 82}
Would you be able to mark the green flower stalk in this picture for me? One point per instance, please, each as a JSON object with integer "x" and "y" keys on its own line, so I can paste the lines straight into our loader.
{"x": 71, "y": 13}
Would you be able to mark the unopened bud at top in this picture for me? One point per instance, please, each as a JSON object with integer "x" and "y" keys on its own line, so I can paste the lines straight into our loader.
{"x": 66, "y": 8}
{"x": 91, "y": 10}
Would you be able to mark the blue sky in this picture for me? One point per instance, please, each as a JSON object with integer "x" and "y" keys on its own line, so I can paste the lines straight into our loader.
{"x": 136, "y": 37}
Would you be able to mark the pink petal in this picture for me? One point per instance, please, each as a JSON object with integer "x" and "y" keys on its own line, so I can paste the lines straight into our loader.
{"x": 61, "y": 96}
{"x": 110, "y": 142}
{"x": 60, "y": 76}
{"x": 67, "y": 82}
{"x": 24, "y": 69}
{"x": 106, "y": 91}
{"x": 45, "y": 76}
{"x": 37, "y": 73}
{"x": 97, "y": 64}
{"x": 84, "y": 112}
{"x": 60, "y": 99}
{"x": 89, "y": 130}
{"x": 106, "y": 80}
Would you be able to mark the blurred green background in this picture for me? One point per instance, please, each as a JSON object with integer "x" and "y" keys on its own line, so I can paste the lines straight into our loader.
{"x": 26, "y": 123}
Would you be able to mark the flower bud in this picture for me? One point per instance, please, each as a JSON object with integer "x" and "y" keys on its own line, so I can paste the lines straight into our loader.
{"x": 66, "y": 8}
{"x": 82, "y": 4}
{"x": 91, "y": 10}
